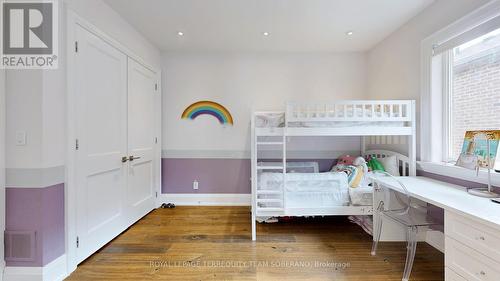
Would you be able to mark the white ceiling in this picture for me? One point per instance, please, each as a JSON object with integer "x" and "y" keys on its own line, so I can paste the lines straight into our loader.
{"x": 293, "y": 25}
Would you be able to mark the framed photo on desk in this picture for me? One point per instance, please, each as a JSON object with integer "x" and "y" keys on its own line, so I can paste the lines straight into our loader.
{"x": 496, "y": 167}
{"x": 477, "y": 142}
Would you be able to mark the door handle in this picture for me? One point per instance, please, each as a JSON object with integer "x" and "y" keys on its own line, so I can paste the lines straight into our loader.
{"x": 132, "y": 158}
{"x": 124, "y": 159}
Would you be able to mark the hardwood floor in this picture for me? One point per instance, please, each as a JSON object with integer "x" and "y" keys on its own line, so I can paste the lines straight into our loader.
{"x": 213, "y": 243}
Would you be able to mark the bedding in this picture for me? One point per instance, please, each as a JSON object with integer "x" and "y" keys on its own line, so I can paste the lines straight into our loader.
{"x": 270, "y": 120}
{"x": 307, "y": 190}
{"x": 355, "y": 174}
{"x": 361, "y": 196}
{"x": 366, "y": 222}
{"x": 343, "y": 124}
{"x": 390, "y": 165}
{"x": 273, "y": 120}
{"x": 315, "y": 190}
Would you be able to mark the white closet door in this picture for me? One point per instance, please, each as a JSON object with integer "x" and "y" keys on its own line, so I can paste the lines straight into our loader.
{"x": 141, "y": 140}
{"x": 101, "y": 112}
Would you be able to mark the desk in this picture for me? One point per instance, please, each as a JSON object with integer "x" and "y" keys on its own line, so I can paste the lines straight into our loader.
{"x": 472, "y": 227}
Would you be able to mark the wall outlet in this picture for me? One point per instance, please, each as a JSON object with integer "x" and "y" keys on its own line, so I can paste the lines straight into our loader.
{"x": 195, "y": 185}
{"x": 20, "y": 138}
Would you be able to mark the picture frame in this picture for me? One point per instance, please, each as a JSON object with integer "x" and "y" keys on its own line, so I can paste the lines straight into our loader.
{"x": 476, "y": 142}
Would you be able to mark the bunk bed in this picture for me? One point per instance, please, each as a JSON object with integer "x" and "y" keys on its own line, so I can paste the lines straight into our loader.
{"x": 279, "y": 191}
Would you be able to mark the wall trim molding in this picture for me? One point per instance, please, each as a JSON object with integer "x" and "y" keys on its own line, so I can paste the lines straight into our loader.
{"x": 2, "y": 268}
{"x": 244, "y": 154}
{"x": 209, "y": 154}
{"x": 34, "y": 177}
{"x": 435, "y": 239}
{"x": 53, "y": 271}
{"x": 204, "y": 199}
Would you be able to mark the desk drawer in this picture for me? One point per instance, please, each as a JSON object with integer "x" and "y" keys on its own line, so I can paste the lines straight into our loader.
{"x": 478, "y": 236}
{"x": 450, "y": 275}
{"x": 469, "y": 263}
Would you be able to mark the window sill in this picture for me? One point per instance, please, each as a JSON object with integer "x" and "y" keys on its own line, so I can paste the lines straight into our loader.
{"x": 453, "y": 171}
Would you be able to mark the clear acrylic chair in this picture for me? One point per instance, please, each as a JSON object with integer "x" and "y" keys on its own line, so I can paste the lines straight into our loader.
{"x": 410, "y": 215}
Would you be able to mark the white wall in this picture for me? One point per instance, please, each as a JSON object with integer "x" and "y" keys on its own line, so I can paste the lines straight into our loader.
{"x": 394, "y": 64}
{"x": 110, "y": 22}
{"x": 36, "y": 99}
{"x": 24, "y": 113}
{"x": 2, "y": 169}
{"x": 242, "y": 82}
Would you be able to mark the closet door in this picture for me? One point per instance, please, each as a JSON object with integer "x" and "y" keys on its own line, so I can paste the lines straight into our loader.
{"x": 141, "y": 140}
{"x": 101, "y": 129}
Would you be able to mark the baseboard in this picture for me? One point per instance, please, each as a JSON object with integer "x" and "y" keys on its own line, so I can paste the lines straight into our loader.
{"x": 435, "y": 239}
{"x": 2, "y": 268}
{"x": 201, "y": 199}
{"x": 54, "y": 271}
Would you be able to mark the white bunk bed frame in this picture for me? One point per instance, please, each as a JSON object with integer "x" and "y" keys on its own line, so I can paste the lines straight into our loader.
{"x": 371, "y": 113}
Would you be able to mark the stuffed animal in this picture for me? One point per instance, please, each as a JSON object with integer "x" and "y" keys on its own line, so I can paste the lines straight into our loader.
{"x": 346, "y": 160}
{"x": 375, "y": 165}
{"x": 360, "y": 161}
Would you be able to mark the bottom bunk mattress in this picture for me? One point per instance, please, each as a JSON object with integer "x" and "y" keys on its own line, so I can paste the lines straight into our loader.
{"x": 311, "y": 190}
{"x": 306, "y": 190}
{"x": 361, "y": 196}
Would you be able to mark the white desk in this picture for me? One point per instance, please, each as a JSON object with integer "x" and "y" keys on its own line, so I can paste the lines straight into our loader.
{"x": 472, "y": 227}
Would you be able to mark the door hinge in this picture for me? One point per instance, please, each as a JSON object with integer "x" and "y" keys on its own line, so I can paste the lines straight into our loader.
{"x": 156, "y": 86}
{"x": 77, "y": 242}
{"x": 76, "y": 46}
{"x": 77, "y": 144}
{"x": 156, "y": 194}
{"x": 156, "y": 139}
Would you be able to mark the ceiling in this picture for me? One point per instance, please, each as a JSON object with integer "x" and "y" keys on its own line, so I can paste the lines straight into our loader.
{"x": 293, "y": 25}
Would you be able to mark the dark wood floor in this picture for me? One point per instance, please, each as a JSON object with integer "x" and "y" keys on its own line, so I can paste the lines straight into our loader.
{"x": 213, "y": 243}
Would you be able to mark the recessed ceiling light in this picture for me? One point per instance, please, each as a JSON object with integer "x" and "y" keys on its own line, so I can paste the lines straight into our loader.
{"x": 180, "y": 33}
{"x": 265, "y": 33}
{"x": 349, "y": 33}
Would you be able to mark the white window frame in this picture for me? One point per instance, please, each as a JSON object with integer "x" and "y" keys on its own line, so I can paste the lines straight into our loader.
{"x": 447, "y": 88}
{"x": 435, "y": 94}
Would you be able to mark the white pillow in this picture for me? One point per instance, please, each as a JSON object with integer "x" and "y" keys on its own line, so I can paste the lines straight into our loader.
{"x": 390, "y": 165}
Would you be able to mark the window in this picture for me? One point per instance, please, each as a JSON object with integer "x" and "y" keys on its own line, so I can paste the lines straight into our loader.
{"x": 460, "y": 90}
{"x": 473, "y": 96}
{"x": 465, "y": 88}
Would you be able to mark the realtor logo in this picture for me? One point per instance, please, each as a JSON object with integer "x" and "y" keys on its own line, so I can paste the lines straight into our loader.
{"x": 29, "y": 35}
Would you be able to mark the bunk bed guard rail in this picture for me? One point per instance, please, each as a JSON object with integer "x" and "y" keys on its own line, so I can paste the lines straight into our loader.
{"x": 350, "y": 110}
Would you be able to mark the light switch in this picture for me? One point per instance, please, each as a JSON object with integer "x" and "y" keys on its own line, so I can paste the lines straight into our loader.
{"x": 20, "y": 138}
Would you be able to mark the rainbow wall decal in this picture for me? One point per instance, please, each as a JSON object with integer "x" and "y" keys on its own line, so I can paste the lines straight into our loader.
{"x": 209, "y": 108}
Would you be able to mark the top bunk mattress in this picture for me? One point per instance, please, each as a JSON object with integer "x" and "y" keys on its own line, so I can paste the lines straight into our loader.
{"x": 342, "y": 124}
{"x": 277, "y": 120}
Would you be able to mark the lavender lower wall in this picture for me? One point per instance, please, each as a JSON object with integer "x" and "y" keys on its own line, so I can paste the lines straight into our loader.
{"x": 233, "y": 176}
{"x": 435, "y": 212}
{"x": 214, "y": 175}
{"x": 40, "y": 210}
{"x": 451, "y": 180}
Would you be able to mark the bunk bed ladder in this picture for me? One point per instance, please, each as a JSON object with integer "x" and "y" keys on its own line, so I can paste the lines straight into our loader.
{"x": 253, "y": 180}
{"x": 283, "y": 188}
{"x": 263, "y": 167}
{"x": 267, "y": 202}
